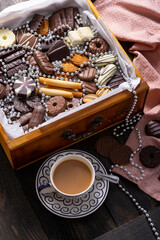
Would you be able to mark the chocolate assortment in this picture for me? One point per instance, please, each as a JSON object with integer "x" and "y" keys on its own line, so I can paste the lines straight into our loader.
{"x": 53, "y": 64}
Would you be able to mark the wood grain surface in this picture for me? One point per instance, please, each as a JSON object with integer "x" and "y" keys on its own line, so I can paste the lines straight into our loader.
{"x": 23, "y": 217}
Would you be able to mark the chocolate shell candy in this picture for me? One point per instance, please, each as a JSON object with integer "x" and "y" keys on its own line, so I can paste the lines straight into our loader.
{"x": 58, "y": 51}
{"x": 90, "y": 87}
{"x": 106, "y": 73}
{"x": 87, "y": 74}
{"x": 24, "y": 86}
{"x": 152, "y": 128}
{"x": 115, "y": 81}
{"x": 43, "y": 62}
{"x": 37, "y": 116}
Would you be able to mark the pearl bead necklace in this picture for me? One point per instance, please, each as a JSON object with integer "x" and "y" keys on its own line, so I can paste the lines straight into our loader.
{"x": 143, "y": 211}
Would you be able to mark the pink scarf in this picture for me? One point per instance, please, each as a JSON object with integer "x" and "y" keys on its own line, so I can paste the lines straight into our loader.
{"x": 139, "y": 22}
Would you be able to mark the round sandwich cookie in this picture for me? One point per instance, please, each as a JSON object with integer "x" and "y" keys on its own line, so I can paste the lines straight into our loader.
{"x": 72, "y": 103}
{"x": 56, "y": 105}
{"x": 104, "y": 145}
{"x": 120, "y": 154}
{"x": 150, "y": 156}
{"x": 152, "y": 128}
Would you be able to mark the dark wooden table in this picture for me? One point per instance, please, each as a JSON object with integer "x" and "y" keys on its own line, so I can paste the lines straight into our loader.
{"x": 23, "y": 217}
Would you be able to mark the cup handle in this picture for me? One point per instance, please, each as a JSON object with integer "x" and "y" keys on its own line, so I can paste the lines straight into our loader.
{"x": 46, "y": 188}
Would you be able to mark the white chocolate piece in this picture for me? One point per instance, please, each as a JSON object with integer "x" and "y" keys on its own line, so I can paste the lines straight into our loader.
{"x": 75, "y": 38}
{"x": 85, "y": 33}
{"x": 104, "y": 60}
{"x": 106, "y": 73}
{"x": 7, "y": 38}
{"x": 60, "y": 83}
{"x": 56, "y": 92}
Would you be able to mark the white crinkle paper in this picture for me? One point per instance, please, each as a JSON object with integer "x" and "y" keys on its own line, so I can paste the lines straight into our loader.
{"x": 17, "y": 15}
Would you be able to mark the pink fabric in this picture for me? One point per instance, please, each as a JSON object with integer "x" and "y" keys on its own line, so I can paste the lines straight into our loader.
{"x": 139, "y": 22}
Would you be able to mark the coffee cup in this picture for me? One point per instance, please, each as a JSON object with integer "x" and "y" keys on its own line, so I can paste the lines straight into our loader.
{"x": 71, "y": 176}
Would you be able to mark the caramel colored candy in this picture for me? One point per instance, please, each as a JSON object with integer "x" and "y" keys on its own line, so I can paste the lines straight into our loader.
{"x": 89, "y": 97}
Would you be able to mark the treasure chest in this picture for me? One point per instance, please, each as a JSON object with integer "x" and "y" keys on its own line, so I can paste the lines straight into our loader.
{"x": 99, "y": 74}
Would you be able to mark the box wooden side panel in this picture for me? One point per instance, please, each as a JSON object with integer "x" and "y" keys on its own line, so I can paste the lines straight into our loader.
{"x": 47, "y": 139}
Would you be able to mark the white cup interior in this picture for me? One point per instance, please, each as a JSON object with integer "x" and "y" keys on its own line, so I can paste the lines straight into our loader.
{"x": 78, "y": 158}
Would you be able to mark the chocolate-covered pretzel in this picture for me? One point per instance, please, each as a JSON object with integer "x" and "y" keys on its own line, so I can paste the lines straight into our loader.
{"x": 43, "y": 62}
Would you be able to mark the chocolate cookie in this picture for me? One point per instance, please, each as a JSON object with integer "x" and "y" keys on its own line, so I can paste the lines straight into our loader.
{"x": 56, "y": 105}
{"x": 72, "y": 103}
{"x": 150, "y": 156}
{"x": 104, "y": 145}
{"x": 120, "y": 154}
{"x": 33, "y": 101}
{"x": 87, "y": 74}
{"x": 21, "y": 106}
{"x": 90, "y": 87}
{"x": 152, "y": 128}
{"x": 115, "y": 81}
{"x": 98, "y": 45}
{"x": 24, "y": 86}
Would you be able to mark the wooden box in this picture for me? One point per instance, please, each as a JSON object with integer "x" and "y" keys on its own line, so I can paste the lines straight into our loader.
{"x": 74, "y": 127}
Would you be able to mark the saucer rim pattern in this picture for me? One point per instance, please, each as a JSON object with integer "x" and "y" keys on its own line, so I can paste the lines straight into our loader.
{"x": 54, "y": 157}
